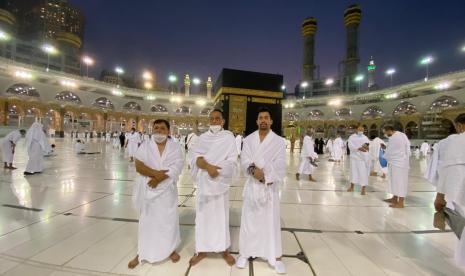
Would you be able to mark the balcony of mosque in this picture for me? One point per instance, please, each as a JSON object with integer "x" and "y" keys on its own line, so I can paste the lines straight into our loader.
{"x": 439, "y": 84}
{"x": 29, "y": 72}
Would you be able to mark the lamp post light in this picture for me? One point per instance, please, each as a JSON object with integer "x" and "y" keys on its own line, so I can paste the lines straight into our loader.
{"x": 172, "y": 79}
{"x": 329, "y": 82}
{"x": 118, "y": 71}
{"x": 49, "y": 50}
{"x": 359, "y": 80}
{"x": 88, "y": 61}
{"x": 4, "y": 36}
{"x": 304, "y": 85}
{"x": 196, "y": 81}
{"x": 427, "y": 61}
{"x": 390, "y": 73}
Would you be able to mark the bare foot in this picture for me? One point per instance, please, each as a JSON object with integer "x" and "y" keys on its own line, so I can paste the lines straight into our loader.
{"x": 397, "y": 205}
{"x": 351, "y": 188}
{"x": 12, "y": 168}
{"x": 311, "y": 179}
{"x": 197, "y": 258}
{"x": 229, "y": 258}
{"x": 383, "y": 176}
{"x": 389, "y": 200}
{"x": 134, "y": 262}
{"x": 363, "y": 192}
{"x": 373, "y": 174}
{"x": 175, "y": 257}
{"x": 297, "y": 176}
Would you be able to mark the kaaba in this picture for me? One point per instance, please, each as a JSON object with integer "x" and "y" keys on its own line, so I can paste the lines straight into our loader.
{"x": 240, "y": 94}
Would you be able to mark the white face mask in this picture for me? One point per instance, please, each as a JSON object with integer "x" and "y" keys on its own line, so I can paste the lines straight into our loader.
{"x": 159, "y": 138}
{"x": 359, "y": 133}
{"x": 215, "y": 129}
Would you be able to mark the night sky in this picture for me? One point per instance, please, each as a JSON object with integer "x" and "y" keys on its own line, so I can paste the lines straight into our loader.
{"x": 202, "y": 37}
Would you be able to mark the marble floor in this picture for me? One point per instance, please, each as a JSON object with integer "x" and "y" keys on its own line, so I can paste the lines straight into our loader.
{"x": 76, "y": 218}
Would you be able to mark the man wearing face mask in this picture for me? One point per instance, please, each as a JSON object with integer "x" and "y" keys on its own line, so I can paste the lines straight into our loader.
{"x": 213, "y": 165}
{"x": 307, "y": 157}
{"x": 159, "y": 163}
{"x": 359, "y": 159}
{"x": 398, "y": 157}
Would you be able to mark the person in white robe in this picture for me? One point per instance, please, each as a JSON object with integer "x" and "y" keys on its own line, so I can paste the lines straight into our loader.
{"x": 132, "y": 143}
{"x": 330, "y": 149}
{"x": 424, "y": 148}
{"x": 308, "y": 157}
{"x": 338, "y": 149}
{"x": 190, "y": 145}
{"x": 239, "y": 143}
{"x": 36, "y": 146}
{"x": 8, "y": 145}
{"x": 398, "y": 157}
{"x": 79, "y": 147}
{"x": 264, "y": 161}
{"x": 213, "y": 166}
{"x": 358, "y": 145}
{"x": 115, "y": 140}
{"x": 374, "y": 148}
{"x": 107, "y": 137}
{"x": 451, "y": 181}
{"x": 159, "y": 163}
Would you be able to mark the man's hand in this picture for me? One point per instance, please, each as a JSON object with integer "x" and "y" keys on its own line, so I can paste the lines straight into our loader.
{"x": 439, "y": 202}
{"x": 153, "y": 183}
{"x": 201, "y": 163}
{"x": 259, "y": 174}
{"x": 160, "y": 175}
{"x": 362, "y": 149}
{"x": 213, "y": 170}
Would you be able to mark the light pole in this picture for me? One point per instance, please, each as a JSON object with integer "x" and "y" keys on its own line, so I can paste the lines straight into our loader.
{"x": 172, "y": 79}
{"x": 427, "y": 61}
{"x": 390, "y": 72}
{"x": 49, "y": 50}
{"x": 329, "y": 82}
{"x": 304, "y": 85}
{"x": 4, "y": 36}
{"x": 88, "y": 62}
{"x": 359, "y": 80}
{"x": 118, "y": 71}
{"x": 147, "y": 77}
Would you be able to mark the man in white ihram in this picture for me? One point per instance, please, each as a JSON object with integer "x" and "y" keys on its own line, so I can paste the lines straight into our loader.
{"x": 8, "y": 145}
{"x": 263, "y": 159}
{"x": 239, "y": 139}
{"x": 159, "y": 163}
{"x": 375, "y": 146}
{"x": 307, "y": 157}
{"x": 133, "y": 140}
{"x": 213, "y": 166}
{"x": 36, "y": 146}
{"x": 424, "y": 148}
{"x": 398, "y": 157}
{"x": 338, "y": 148}
{"x": 359, "y": 160}
{"x": 451, "y": 183}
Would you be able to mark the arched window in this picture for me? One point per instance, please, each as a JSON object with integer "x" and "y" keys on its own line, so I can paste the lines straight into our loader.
{"x": 159, "y": 109}
{"x": 183, "y": 110}
{"x": 315, "y": 114}
{"x": 373, "y": 111}
{"x": 103, "y": 102}
{"x": 68, "y": 96}
{"x": 404, "y": 108}
{"x": 443, "y": 102}
{"x": 22, "y": 89}
{"x": 291, "y": 116}
{"x": 205, "y": 112}
{"x": 132, "y": 106}
{"x": 343, "y": 113}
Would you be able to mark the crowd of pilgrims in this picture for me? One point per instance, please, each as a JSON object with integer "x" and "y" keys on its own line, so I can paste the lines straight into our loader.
{"x": 214, "y": 158}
